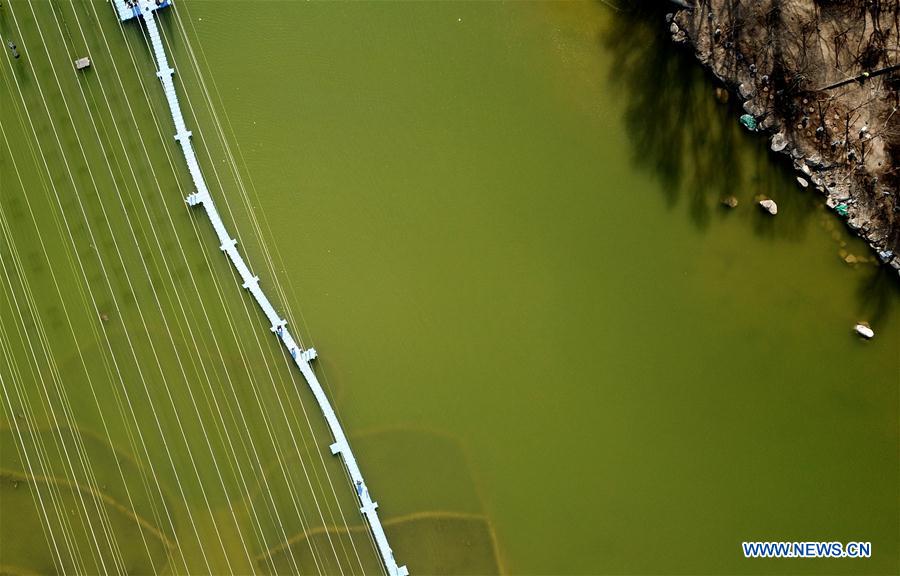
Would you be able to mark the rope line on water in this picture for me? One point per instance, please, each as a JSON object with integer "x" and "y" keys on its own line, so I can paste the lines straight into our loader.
{"x": 284, "y": 360}
{"x": 201, "y": 301}
{"x": 167, "y": 154}
{"x": 146, "y": 10}
{"x": 168, "y": 330}
{"x": 47, "y": 524}
{"x": 93, "y": 301}
{"x": 84, "y": 299}
{"x": 105, "y": 274}
{"x": 259, "y": 235}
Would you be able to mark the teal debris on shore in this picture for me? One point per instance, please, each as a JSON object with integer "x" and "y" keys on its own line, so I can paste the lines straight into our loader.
{"x": 749, "y": 122}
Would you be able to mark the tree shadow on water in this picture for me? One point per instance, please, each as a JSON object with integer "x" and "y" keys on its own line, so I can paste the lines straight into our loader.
{"x": 694, "y": 146}
{"x": 877, "y": 293}
{"x": 683, "y": 135}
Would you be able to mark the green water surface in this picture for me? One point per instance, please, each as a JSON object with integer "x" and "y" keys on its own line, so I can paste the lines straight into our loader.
{"x": 500, "y": 224}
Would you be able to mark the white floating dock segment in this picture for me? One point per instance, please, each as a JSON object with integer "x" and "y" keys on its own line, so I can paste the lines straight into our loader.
{"x": 124, "y": 11}
{"x": 301, "y": 358}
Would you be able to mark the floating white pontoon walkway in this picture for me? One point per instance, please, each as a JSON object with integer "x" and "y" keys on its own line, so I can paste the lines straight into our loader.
{"x": 302, "y": 358}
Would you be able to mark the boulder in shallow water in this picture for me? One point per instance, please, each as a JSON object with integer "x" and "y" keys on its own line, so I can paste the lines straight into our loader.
{"x": 769, "y": 206}
{"x": 864, "y": 331}
{"x": 721, "y": 95}
{"x": 749, "y": 122}
{"x": 778, "y": 142}
{"x": 730, "y": 202}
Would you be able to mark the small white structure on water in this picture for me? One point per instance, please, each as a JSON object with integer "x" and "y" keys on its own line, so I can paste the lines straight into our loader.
{"x": 769, "y": 206}
{"x": 864, "y": 331}
{"x": 82, "y": 63}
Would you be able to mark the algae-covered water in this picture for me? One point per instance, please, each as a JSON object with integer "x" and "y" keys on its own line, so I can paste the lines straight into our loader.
{"x": 500, "y": 224}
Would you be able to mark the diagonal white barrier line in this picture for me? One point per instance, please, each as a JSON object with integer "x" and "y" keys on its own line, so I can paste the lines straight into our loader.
{"x": 235, "y": 466}
{"x": 253, "y": 387}
{"x": 111, "y": 365}
{"x": 301, "y": 357}
{"x": 106, "y": 278}
{"x": 175, "y": 348}
{"x": 67, "y": 315}
{"x": 233, "y": 165}
{"x": 45, "y": 350}
{"x": 195, "y": 66}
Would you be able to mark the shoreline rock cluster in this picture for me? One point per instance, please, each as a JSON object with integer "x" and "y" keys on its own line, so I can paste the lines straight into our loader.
{"x": 781, "y": 58}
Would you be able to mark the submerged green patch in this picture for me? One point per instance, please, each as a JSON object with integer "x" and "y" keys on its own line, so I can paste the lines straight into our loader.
{"x": 141, "y": 547}
{"x": 396, "y": 455}
{"x": 430, "y": 543}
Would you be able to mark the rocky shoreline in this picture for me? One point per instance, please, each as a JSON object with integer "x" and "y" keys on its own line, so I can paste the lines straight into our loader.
{"x": 782, "y": 59}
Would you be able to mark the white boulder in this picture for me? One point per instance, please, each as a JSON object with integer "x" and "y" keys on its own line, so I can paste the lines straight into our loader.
{"x": 864, "y": 331}
{"x": 769, "y": 206}
{"x": 779, "y": 142}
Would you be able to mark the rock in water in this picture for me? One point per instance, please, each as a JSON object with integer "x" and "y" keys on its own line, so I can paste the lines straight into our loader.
{"x": 802, "y": 181}
{"x": 778, "y": 142}
{"x": 749, "y": 122}
{"x": 730, "y": 202}
{"x": 769, "y": 206}
{"x": 864, "y": 331}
